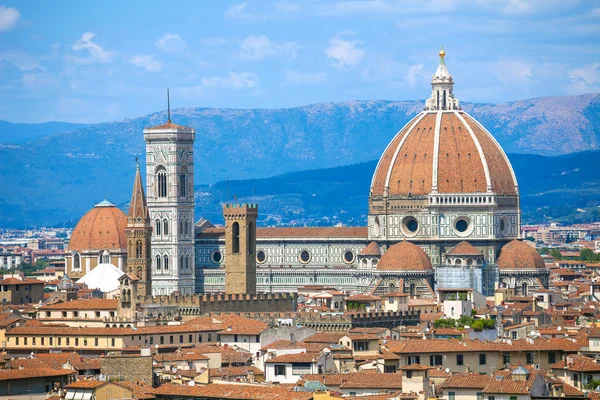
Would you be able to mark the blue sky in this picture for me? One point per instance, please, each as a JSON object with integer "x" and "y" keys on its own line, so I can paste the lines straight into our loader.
{"x": 91, "y": 61}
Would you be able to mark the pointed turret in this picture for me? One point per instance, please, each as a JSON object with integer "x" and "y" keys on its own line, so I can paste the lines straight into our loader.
{"x": 139, "y": 231}
{"x": 138, "y": 209}
{"x": 442, "y": 96}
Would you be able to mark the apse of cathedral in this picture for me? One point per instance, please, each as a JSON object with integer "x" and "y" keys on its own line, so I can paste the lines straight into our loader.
{"x": 443, "y": 213}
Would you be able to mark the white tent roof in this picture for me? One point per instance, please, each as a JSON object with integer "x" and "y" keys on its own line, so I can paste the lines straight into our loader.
{"x": 104, "y": 277}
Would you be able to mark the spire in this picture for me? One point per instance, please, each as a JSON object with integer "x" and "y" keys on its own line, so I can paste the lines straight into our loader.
{"x": 442, "y": 96}
{"x": 168, "y": 107}
{"x": 138, "y": 207}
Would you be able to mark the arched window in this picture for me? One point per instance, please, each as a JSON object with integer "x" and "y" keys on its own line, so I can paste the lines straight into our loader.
{"x": 413, "y": 290}
{"x": 181, "y": 261}
{"x": 105, "y": 257}
{"x": 76, "y": 261}
{"x": 138, "y": 249}
{"x": 391, "y": 288}
{"x": 166, "y": 262}
{"x": 161, "y": 182}
{"x": 180, "y": 227}
{"x": 183, "y": 183}
{"x": 166, "y": 227}
{"x": 186, "y": 226}
{"x": 524, "y": 289}
{"x": 376, "y": 227}
{"x": 158, "y": 263}
{"x": 250, "y": 245}
{"x": 235, "y": 234}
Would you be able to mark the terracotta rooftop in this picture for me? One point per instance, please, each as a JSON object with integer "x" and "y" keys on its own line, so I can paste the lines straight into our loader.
{"x": 294, "y": 358}
{"x": 464, "y": 249}
{"x": 103, "y": 227}
{"x": 372, "y": 249}
{"x": 83, "y": 305}
{"x": 11, "y": 374}
{"x": 516, "y": 255}
{"x": 578, "y": 364}
{"x": 233, "y": 391}
{"x": 300, "y": 232}
{"x": 404, "y": 256}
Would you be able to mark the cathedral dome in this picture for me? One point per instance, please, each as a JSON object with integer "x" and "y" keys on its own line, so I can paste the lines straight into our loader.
{"x": 103, "y": 227}
{"x": 371, "y": 250}
{"x": 404, "y": 256}
{"x": 464, "y": 249}
{"x": 443, "y": 150}
{"x": 517, "y": 255}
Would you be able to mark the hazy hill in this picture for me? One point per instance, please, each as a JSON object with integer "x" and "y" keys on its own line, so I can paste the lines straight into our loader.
{"x": 550, "y": 187}
{"x": 57, "y": 177}
{"x": 22, "y": 133}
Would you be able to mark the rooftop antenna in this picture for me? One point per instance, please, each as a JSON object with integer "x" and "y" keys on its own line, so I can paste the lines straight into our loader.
{"x": 168, "y": 107}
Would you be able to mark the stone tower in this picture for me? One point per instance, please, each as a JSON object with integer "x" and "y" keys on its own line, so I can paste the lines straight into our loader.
{"x": 240, "y": 248}
{"x": 139, "y": 232}
{"x": 170, "y": 189}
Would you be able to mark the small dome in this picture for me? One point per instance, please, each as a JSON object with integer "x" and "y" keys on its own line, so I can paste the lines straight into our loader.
{"x": 519, "y": 255}
{"x": 371, "y": 250}
{"x": 404, "y": 256}
{"x": 103, "y": 227}
{"x": 464, "y": 249}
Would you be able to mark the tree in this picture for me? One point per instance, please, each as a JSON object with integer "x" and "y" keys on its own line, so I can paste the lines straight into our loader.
{"x": 556, "y": 254}
{"x": 28, "y": 268}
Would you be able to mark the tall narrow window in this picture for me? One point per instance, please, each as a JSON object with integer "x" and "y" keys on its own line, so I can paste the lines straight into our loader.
{"x": 157, "y": 228}
{"x": 182, "y": 184}
{"x": 180, "y": 227}
{"x": 138, "y": 249}
{"x": 161, "y": 181}
{"x": 249, "y": 245}
{"x": 76, "y": 261}
{"x": 166, "y": 262}
{"x": 235, "y": 234}
{"x": 158, "y": 263}
{"x": 181, "y": 261}
{"x": 165, "y": 227}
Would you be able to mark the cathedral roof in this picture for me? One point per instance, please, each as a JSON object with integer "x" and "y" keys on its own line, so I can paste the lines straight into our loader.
{"x": 371, "y": 250}
{"x": 443, "y": 150}
{"x": 168, "y": 125}
{"x": 103, "y": 227}
{"x": 464, "y": 249}
{"x": 404, "y": 256}
{"x": 517, "y": 255}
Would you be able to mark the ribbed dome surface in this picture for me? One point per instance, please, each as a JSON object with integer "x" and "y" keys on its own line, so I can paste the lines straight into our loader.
{"x": 404, "y": 256}
{"x": 103, "y": 227}
{"x": 519, "y": 255}
{"x": 464, "y": 249}
{"x": 371, "y": 250}
{"x": 447, "y": 151}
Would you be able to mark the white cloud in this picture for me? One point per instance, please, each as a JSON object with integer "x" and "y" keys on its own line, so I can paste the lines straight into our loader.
{"x": 237, "y": 11}
{"x": 585, "y": 79}
{"x": 299, "y": 78}
{"x": 286, "y": 6}
{"x": 595, "y": 12}
{"x": 233, "y": 81}
{"x": 414, "y": 73}
{"x": 256, "y": 48}
{"x": 97, "y": 54}
{"x": 146, "y": 61}
{"x": 512, "y": 71}
{"x": 8, "y": 18}
{"x": 344, "y": 52}
{"x": 38, "y": 79}
{"x": 170, "y": 43}
{"x": 20, "y": 59}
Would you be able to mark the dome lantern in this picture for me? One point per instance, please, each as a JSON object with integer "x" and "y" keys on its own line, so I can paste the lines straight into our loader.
{"x": 442, "y": 96}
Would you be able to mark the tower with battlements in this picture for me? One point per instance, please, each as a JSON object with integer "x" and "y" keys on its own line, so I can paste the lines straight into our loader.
{"x": 240, "y": 248}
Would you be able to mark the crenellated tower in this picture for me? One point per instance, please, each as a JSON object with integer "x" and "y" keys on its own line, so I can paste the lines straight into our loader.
{"x": 170, "y": 189}
{"x": 240, "y": 248}
{"x": 139, "y": 232}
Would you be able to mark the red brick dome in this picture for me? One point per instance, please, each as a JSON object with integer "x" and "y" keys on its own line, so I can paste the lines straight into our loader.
{"x": 519, "y": 255}
{"x": 103, "y": 227}
{"x": 404, "y": 256}
{"x": 444, "y": 151}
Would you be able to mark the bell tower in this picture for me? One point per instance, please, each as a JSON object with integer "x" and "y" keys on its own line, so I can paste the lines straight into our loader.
{"x": 138, "y": 232}
{"x": 170, "y": 189}
{"x": 240, "y": 248}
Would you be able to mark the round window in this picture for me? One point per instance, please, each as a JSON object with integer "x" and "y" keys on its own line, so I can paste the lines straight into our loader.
{"x": 216, "y": 256}
{"x": 469, "y": 261}
{"x": 461, "y": 225}
{"x": 505, "y": 225}
{"x": 410, "y": 226}
{"x": 304, "y": 256}
{"x": 261, "y": 257}
{"x": 348, "y": 257}
{"x": 502, "y": 225}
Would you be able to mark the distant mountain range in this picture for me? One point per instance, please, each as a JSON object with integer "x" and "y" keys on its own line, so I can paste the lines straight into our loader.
{"x": 551, "y": 188}
{"x": 50, "y": 176}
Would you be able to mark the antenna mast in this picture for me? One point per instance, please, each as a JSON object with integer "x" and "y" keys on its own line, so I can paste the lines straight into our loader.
{"x": 168, "y": 107}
